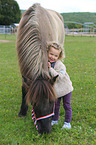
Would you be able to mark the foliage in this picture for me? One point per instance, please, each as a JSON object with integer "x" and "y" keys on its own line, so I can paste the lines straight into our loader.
{"x": 73, "y": 25}
{"x": 80, "y": 17}
{"x": 80, "y": 62}
{"x": 9, "y": 12}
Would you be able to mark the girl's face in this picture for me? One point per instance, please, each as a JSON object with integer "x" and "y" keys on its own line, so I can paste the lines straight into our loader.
{"x": 53, "y": 54}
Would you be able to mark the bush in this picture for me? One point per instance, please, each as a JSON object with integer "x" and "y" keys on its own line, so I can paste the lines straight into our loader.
{"x": 9, "y": 12}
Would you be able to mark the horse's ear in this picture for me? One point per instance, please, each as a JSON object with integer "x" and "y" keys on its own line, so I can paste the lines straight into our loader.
{"x": 26, "y": 80}
{"x": 53, "y": 79}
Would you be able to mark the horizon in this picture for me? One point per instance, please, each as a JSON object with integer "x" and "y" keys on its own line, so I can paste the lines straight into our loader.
{"x": 65, "y": 12}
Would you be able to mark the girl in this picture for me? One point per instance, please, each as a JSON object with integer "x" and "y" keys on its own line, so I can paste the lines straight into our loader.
{"x": 63, "y": 86}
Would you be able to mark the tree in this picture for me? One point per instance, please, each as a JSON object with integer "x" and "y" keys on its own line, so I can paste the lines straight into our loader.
{"x": 9, "y": 12}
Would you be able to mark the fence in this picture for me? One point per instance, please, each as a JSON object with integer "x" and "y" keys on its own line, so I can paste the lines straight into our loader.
{"x": 81, "y": 31}
{"x": 5, "y": 29}
{"x": 88, "y": 28}
{"x": 85, "y": 30}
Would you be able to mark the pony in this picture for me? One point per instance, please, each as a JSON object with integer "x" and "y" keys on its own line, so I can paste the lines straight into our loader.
{"x": 37, "y": 27}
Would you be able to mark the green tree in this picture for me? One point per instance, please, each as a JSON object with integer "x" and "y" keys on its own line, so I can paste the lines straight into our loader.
{"x": 9, "y": 12}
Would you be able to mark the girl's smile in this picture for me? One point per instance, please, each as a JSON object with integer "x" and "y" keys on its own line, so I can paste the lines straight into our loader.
{"x": 53, "y": 54}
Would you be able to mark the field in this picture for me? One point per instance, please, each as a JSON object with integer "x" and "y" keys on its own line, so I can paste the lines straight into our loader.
{"x": 80, "y": 62}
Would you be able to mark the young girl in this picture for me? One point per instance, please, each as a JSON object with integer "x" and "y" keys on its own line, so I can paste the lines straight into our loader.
{"x": 63, "y": 86}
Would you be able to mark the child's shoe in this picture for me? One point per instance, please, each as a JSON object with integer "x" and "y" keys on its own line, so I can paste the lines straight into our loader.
{"x": 54, "y": 122}
{"x": 66, "y": 125}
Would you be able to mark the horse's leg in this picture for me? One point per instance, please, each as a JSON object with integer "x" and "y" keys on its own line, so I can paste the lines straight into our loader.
{"x": 24, "y": 106}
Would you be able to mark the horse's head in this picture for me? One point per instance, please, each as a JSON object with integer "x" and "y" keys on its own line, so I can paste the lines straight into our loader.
{"x": 44, "y": 113}
{"x": 42, "y": 97}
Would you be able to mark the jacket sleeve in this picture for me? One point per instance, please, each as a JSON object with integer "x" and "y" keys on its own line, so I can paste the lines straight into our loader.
{"x": 60, "y": 70}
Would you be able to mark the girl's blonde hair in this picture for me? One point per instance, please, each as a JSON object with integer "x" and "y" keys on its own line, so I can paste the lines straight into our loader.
{"x": 56, "y": 46}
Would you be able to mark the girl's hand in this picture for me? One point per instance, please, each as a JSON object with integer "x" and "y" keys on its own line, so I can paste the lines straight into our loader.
{"x": 49, "y": 64}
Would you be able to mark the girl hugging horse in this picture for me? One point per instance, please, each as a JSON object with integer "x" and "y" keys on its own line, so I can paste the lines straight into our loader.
{"x": 36, "y": 28}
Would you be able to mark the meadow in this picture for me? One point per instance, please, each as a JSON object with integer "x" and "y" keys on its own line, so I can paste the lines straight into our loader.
{"x": 80, "y": 62}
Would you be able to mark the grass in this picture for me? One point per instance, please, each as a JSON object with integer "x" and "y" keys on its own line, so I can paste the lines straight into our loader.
{"x": 81, "y": 66}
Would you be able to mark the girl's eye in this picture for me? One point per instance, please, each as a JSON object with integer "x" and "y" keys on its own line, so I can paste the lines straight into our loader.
{"x": 56, "y": 55}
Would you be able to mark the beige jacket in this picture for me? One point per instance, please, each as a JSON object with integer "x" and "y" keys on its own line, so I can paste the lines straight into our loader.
{"x": 63, "y": 84}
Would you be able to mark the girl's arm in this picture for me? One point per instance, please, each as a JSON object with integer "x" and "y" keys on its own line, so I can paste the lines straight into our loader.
{"x": 60, "y": 70}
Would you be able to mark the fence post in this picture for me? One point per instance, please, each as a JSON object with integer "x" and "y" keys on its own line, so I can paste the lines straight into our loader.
{"x": 81, "y": 31}
{"x": 73, "y": 32}
{"x": 93, "y": 32}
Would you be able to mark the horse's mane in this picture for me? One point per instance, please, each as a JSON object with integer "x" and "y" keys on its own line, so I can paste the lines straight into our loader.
{"x": 39, "y": 90}
{"x": 31, "y": 45}
{"x": 37, "y": 26}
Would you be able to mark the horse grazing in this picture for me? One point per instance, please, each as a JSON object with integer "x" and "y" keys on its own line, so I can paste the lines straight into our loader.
{"x": 36, "y": 28}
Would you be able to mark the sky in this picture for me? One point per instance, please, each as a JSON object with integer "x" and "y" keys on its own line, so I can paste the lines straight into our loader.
{"x": 61, "y": 6}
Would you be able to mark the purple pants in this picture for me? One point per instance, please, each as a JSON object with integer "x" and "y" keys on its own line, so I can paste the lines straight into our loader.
{"x": 67, "y": 107}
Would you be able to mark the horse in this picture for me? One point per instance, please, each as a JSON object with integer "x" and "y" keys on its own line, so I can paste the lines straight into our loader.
{"x": 37, "y": 27}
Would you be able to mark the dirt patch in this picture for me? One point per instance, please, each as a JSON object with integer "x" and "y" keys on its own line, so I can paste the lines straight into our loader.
{"x": 5, "y": 41}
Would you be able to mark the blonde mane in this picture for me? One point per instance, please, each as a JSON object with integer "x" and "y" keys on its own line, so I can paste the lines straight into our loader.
{"x": 37, "y": 26}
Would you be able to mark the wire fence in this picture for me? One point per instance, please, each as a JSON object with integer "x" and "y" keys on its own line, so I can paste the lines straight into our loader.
{"x": 7, "y": 29}
{"x": 86, "y": 29}
{"x": 81, "y": 32}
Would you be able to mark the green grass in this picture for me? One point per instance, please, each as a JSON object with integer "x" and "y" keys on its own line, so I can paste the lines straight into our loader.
{"x": 80, "y": 62}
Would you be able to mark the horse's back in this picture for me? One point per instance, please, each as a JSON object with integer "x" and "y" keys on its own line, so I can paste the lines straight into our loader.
{"x": 51, "y": 25}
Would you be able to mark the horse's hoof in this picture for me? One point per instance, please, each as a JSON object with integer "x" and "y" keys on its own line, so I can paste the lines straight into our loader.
{"x": 21, "y": 115}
